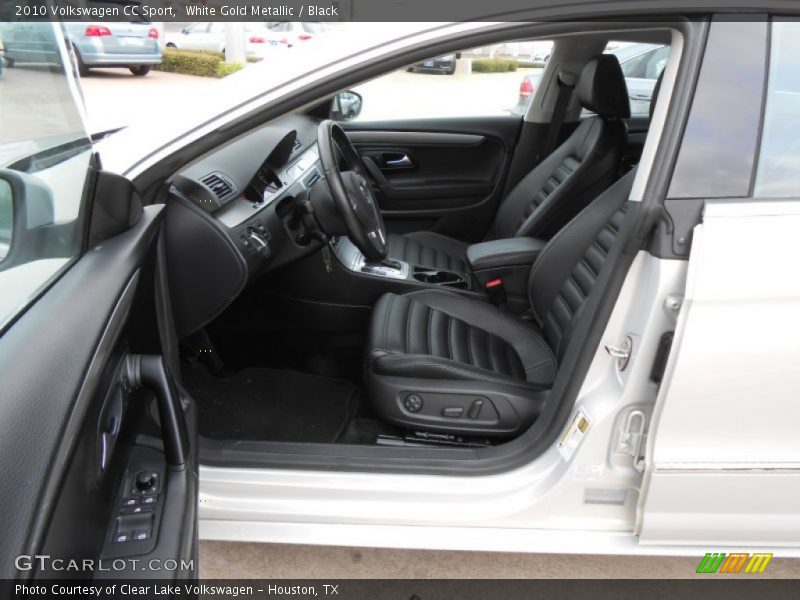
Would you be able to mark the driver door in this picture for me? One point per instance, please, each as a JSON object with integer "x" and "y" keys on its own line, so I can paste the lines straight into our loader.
{"x": 97, "y": 437}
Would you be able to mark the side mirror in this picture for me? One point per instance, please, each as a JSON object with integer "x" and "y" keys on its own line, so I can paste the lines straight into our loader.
{"x": 346, "y": 106}
{"x": 458, "y": 55}
{"x": 26, "y": 209}
{"x": 185, "y": 31}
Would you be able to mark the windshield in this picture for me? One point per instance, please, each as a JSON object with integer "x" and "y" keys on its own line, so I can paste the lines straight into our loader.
{"x": 183, "y": 103}
{"x": 44, "y": 158}
{"x": 38, "y": 108}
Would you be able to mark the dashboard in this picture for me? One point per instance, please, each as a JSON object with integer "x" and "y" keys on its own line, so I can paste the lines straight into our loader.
{"x": 233, "y": 215}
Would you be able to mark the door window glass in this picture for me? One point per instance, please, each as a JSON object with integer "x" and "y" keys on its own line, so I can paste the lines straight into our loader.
{"x": 488, "y": 81}
{"x": 778, "y": 173}
{"x": 44, "y": 157}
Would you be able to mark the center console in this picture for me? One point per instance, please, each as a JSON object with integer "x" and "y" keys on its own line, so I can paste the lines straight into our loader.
{"x": 352, "y": 258}
{"x": 504, "y": 262}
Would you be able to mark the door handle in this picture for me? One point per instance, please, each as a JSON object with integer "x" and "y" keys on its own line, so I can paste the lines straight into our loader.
{"x": 397, "y": 161}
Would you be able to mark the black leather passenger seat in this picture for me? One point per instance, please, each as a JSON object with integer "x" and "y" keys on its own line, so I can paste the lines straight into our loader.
{"x": 559, "y": 187}
{"x": 440, "y": 361}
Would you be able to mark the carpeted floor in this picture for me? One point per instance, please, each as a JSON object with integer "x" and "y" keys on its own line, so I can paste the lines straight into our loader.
{"x": 270, "y": 404}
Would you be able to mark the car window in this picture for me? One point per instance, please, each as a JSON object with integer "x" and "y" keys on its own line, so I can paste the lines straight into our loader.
{"x": 778, "y": 172}
{"x": 313, "y": 27}
{"x": 647, "y": 65}
{"x": 199, "y": 28}
{"x": 216, "y": 28}
{"x": 279, "y": 26}
{"x": 487, "y": 81}
{"x": 44, "y": 159}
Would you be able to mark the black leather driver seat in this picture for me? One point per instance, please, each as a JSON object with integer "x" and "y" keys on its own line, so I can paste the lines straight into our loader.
{"x": 559, "y": 187}
{"x": 441, "y": 361}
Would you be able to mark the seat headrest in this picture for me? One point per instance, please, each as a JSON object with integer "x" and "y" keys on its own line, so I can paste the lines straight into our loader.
{"x": 602, "y": 88}
{"x": 656, "y": 90}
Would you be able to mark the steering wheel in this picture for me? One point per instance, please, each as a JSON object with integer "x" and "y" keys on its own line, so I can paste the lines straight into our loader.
{"x": 348, "y": 181}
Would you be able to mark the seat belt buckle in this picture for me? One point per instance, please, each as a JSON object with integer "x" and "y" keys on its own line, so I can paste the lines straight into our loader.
{"x": 496, "y": 290}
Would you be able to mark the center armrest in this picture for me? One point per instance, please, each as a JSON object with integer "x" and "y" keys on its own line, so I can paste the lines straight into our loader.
{"x": 511, "y": 252}
{"x": 509, "y": 260}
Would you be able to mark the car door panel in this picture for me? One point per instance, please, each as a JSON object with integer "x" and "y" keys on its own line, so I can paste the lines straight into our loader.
{"x": 444, "y": 175}
{"x": 64, "y": 361}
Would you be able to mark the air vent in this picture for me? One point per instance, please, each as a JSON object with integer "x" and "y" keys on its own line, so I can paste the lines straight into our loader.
{"x": 222, "y": 187}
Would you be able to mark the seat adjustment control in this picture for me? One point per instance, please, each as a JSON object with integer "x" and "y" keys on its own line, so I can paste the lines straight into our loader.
{"x": 453, "y": 412}
{"x": 475, "y": 409}
{"x": 413, "y": 403}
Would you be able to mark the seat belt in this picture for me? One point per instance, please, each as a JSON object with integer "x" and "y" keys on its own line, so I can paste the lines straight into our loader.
{"x": 164, "y": 318}
{"x": 566, "y": 83}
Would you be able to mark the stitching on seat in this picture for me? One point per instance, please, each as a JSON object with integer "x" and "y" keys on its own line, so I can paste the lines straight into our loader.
{"x": 469, "y": 344}
{"x": 484, "y": 374}
{"x": 428, "y": 344}
{"x": 387, "y": 319}
{"x": 407, "y": 341}
{"x": 490, "y": 354}
{"x": 449, "y": 333}
{"x": 533, "y": 335}
{"x": 540, "y": 364}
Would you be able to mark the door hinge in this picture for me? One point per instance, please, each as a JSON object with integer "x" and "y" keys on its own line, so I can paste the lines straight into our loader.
{"x": 632, "y": 438}
{"x": 622, "y": 352}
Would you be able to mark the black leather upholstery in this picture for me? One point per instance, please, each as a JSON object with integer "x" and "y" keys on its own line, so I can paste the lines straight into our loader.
{"x": 564, "y": 182}
{"x": 447, "y": 351}
{"x": 558, "y": 187}
{"x": 444, "y": 335}
{"x": 504, "y": 253}
{"x": 602, "y": 88}
{"x": 565, "y": 273}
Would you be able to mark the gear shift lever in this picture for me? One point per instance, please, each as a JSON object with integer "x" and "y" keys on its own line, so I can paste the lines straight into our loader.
{"x": 386, "y": 268}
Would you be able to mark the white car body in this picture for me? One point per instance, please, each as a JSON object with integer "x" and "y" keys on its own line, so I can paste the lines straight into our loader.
{"x": 707, "y": 443}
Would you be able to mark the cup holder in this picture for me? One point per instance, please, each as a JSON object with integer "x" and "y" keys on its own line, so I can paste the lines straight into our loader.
{"x": 444, "y": 278}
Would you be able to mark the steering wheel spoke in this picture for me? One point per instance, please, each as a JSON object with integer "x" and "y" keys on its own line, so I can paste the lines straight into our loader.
{"x": 352, "y": 191}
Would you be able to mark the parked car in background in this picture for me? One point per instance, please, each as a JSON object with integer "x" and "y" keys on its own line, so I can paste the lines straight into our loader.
{"x": 28, "y": 42}
{"x": 641, "y": 65}
{"x": 542, "y": 52}
{"x": 526, "y": 88}
{"x": 443, "y": 64}
{"x": 132, "y": 45}
{"x": 295, "y": 32}
{"x": 210, "y": 37}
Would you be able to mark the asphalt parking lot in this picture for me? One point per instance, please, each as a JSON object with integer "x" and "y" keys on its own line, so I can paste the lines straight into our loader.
{"x": 114, "y": 98}
{"x": 280, "y": 561}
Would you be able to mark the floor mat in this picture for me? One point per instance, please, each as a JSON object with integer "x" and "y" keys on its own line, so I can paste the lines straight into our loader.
{"x": 269, "y": 404}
